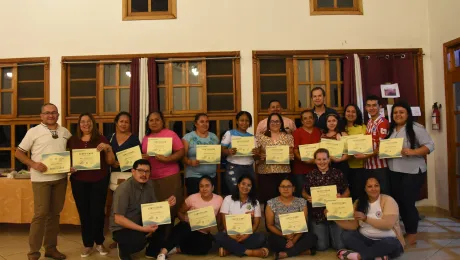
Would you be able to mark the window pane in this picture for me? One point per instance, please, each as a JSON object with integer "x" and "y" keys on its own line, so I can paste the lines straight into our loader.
{"x": 219, "y": 67}
{"x": 31, "y": 90}
{"x": 189, "y": 125}
{"x": 224, "y": 126}
{"x": 29, "y": 107}
{"x": 272, "y": 66}
{"x": 73, "y": 128}
{"x": 325, "y": 3}
{"x": 333, "y": 70}
{"x": 219, "y": 103}
{"x": 82, "y": 88}
{"x": 124, "y": 99}
{"x": 179, "y": 98}
{"x": 110, "y": 100}
{"x": 108, "y": 129}
{"x": 196, "y": 98}
{"x": 5, "y": 136}
{"x": 162, "y": 98}
{"x": 345, "y": 3}
{"x": 334, "y": 95}
{"x": 194, "y": 76}
{"x": 5, "y": 159}
{"x": 303, "y": 70}
{"x": 110, "y": 72}
{"x": 139, "y": 5}
{"x": 83, "y": 71}
{"x": 20, "y": 132}
{"x": 7, "y": 76}
{"x": 176, "y": 126}
{"x": 265, "y": 98}
{"x": 213, "y": 126}
{"x": 6, "y": 103}
{"x": 31, "y": 73}
{"x": 78, "y": 106}
{"x": 125, "y": 74}
{"x": 159, "y": 5}
{"x": 457, "y": 58}
{"x": 304, "y": 96}
{"x": 319, "y": 71}
{"x": 161, "y": 73}
{"x": 178, "y": 69}
{"x": 220, "y": 85}
{"x": 271, "y": 84}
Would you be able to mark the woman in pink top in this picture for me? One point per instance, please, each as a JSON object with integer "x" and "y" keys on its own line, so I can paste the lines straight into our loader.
{"x": 165, "y": 169}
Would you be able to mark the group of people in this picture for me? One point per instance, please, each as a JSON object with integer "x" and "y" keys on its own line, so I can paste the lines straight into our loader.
{"x": 383, "y": 190}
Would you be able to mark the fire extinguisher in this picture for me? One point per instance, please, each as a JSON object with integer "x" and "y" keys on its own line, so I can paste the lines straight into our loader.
{"x": 436, "y": 117}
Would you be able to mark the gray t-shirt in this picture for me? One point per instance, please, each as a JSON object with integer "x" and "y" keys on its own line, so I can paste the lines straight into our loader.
{"x": 279, "y": 208}
{"x": 127, "y": 200}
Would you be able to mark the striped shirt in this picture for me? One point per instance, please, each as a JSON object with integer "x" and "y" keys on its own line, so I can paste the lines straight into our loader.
{"x": 379, "y": 130}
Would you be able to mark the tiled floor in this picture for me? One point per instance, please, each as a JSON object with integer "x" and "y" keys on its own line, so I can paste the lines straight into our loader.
{"x": 439, "y": 239}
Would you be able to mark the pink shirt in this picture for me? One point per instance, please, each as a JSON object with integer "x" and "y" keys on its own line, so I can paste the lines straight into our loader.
{"x": 195, "y": 201}
{"x": 160, "y": 169}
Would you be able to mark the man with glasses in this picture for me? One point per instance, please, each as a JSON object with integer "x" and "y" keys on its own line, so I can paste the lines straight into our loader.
{"x": 126, "y": 216}
{"x": 320, "y": 110}
{"x": 274, "y": 106}
{"x": 49, "y": 189}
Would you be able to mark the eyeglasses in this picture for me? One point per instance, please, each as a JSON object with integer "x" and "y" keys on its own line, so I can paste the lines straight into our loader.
{"x": 143, "y": 171}
{"x": 275, "y": 122}
{"x": 54, "y": 113}
{"x": 286, "y": 187}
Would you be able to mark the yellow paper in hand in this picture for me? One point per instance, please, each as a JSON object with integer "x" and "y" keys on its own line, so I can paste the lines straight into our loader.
{"x": 239, "y": 224}
{"x": 277, "y": 154}
{"x": 390, "y": 148}
{"x": 157, "y": 213}
{"x": 340, "y": 209}
{"x": 56, "y": 162}
{"x": 159, "y": 145}
{"x": 322, "y": 194}
{"x": 208, "y": 154}
{"x": 243, "y": 145}
{"x": 86, "y": 159}
{"x": 127, "y": 157}
{"x": 293, "y": 223}
{"x": 307, "y": 151}
{"x": 202, "y": 218}
{"x": 360, "y": 144}
{"x": 334, "y": 147}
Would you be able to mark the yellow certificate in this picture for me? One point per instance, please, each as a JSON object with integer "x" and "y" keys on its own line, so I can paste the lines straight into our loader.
{"x": 243, "y": 145}
{"x": 390, "y": 148}
{"x": 86, "y": 159}
{"x": 208, "y": 154}
{"x": 307, "y": 151}
{"x": 277, "y": 154}
{"x": 127, "y": 157}
{"x": 293, "y": 223}
{"x": 56, "y": 162}
{"x": 340, "y": 209}
{"x": 360, "y": 144}
{"x": 156, "y": 213}
{"x": 159, "y": 145}
{"x": 202, "y": 218}
{"x": 334, "y": 147}
{"x": 322, "y": 194}
{"x": 238, "y": 224}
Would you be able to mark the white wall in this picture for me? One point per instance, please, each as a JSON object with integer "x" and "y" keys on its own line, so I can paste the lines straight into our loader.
{"x": 53, "y": 28}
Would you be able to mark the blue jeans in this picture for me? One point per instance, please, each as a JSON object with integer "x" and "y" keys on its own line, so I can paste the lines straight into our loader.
{"x": 328, "y": 233}
{"x": 234, "y": 172}
{"x": 368, "y": 248}
{"x": 254, "y": 241}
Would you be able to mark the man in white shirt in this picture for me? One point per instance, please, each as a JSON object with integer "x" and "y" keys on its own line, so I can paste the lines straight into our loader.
{"x": 49, "y": 189}
{"x": 274, "y": 106}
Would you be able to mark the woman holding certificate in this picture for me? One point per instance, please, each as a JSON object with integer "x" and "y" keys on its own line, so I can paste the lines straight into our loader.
{"x": 324, "y": 175}
{"x": 187, "y": 238}
{"x": 375, "y": 233}
{"x": 193, "y": 169}
{"x": 91, "y": 156}
{"x": 306, "y": 135}
{"x": 242, "y": 201}
{"x": 272, "y": 171}
{"x": 407, "y": 173}
{"x": 238, "y": 146}
{"x": 165, "y": 167}
{"x": 284, "y": 241}
{"x": 334, "y": 131}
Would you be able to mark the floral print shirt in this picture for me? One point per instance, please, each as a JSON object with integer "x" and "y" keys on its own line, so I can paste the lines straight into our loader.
{"x": 264, "y": 141}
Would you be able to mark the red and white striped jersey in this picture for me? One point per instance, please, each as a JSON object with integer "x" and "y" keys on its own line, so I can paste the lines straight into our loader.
{"x": 379, "y": 130}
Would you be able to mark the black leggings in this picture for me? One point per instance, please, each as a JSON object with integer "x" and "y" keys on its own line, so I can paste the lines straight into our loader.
{"x": 190, "y": 242}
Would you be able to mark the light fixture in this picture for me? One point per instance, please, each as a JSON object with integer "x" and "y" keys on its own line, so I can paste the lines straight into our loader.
{"x": 9, "y": 75}
{"x": 195, "y": 71}
{"x": 128, "y": 73}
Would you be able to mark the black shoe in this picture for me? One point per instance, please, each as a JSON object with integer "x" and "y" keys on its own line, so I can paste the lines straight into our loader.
{"x": 122, "y": 256}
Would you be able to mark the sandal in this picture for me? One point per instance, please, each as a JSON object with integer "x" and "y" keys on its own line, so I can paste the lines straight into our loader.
{"x": 342, "y": 254}
{"x": 266, "y": 252}
{"x": 222, "y": 252}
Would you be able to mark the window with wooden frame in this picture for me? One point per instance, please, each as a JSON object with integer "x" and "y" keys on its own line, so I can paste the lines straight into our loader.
{"x": 149, "y": 9}
{"x": 336, "y": 7}
{"x": 24, "y": 88}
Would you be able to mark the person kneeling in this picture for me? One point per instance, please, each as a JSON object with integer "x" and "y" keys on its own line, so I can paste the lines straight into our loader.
{"x": 126, "y": 217}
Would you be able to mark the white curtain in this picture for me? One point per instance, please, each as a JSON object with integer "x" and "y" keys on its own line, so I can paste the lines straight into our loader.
{"x": 359, "y": 83}
{"x": 144, "y": 96}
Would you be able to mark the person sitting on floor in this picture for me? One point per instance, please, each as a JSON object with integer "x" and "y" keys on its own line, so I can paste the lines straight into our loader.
{"x": 126, "y": 217}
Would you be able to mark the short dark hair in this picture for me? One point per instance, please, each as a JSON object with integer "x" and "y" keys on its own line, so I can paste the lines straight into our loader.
{"x": 316, "y": 88}
{"x": 373, "y": 97}
{"x": 321, "y": 150}
{"x": 272, "y": 101}
{"x": 141, "y": 162}
{"x": 47, "y": 104}
{"x": 306, "y": 111}
{"x": 244, "y": 113}
{"x": 122, "y": 113}
{"x": 205, "y": 177}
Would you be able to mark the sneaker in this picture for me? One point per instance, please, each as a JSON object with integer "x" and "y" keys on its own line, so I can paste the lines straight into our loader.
{"x": 172, "y": 251}
{"x": 161, "y": 257}
{"x": 120, "y": 256}
{"x": 102, "y": 250}
{"x": 86, "y": 251}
